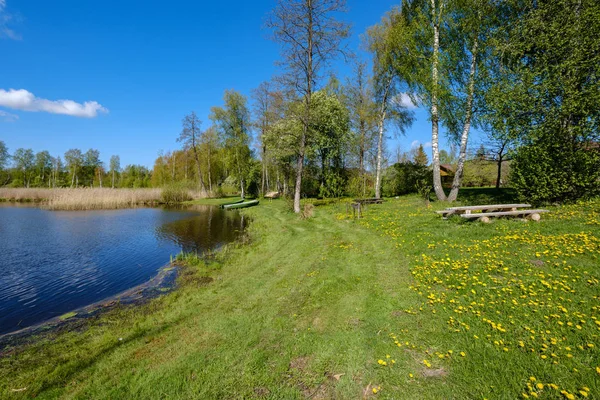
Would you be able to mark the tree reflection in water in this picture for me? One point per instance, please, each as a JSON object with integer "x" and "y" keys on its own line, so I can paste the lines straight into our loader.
{"x": 207, "y": 228}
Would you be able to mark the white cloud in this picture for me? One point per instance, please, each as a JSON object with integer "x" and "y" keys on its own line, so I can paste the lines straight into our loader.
{"x": 427, "y": 145}
{"x": 24, "y": 100}
{"x": 5, "y": 19}
{"x": 404, "y": 100}
{"x": 8, "y": 117}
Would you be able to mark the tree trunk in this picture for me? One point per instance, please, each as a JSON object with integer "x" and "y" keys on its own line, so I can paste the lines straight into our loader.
{"x": 199, "y": 169}
{"x": 382, "y": 117}
{"x": 499, "y": 176}
{"x": 435, "y": 119}
{"x": 467, "y": 126}
{"x": 113, "y": 179}
{"x": 379, "y": 154}
{"x": 209, "y": 175}
{"x": 299, "y": 168}
{"x": 264, "y": 170}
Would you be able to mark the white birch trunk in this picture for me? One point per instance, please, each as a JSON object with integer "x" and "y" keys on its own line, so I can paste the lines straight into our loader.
{"x": 435, "y": 119}
{"x": 466, "y": 127}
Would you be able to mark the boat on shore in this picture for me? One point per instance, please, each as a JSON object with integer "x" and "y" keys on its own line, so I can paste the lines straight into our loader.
{"x": 242, "y": 204}
{"x": 231, "y": 203}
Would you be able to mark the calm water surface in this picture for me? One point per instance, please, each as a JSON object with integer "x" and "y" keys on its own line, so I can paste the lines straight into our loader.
{"x": 52, "y": 262}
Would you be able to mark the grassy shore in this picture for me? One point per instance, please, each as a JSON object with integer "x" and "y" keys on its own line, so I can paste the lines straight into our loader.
{"x": 400, "y": 304}
{"x": 89, "y": 198}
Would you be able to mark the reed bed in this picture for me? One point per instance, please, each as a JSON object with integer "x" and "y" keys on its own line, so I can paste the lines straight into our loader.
{"x": 89, "y": 198}
{"x": 24, "y": 194}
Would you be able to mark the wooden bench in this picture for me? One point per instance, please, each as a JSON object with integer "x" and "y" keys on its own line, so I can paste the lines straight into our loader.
{"x": 369, "y": 201}
{"x": 468, "y": 210}
{"x": 485, "y": 216}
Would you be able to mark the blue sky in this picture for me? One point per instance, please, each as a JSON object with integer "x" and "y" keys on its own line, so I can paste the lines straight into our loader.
{"x": 132, "y": 69}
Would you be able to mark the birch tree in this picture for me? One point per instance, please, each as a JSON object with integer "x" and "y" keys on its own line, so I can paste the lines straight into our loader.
{"x": 233, "y": 124}
{"x": 310, "y": 37}
{"x": 360, "y": 100}
{"x": 388, "y": 99}
{"x": 4, "y": 157}
{"x": 266, "y": 101}
{"x": 438, "y": 46}
{"x": 115, "y": 167}
{"x": 190, "y": 136}
{"x": 74, "y": 160}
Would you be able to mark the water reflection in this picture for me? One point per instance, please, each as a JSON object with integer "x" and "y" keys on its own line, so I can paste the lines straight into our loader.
{"x": 52, "y": 262}
{"x": 209, "y": 228}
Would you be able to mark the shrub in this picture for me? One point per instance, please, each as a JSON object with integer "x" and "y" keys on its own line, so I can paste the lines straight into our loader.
{"x": 551, "y": 171}
{"x": 405, "y": 178}
{"x": 174, "y": 194}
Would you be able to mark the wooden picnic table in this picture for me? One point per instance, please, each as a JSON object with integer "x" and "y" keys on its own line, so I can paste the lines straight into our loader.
{"x": 484, "y": 208}
{"x": 485, "y": 217}
{"x": 369, "y": 201}
{"x": 485, "y": 212}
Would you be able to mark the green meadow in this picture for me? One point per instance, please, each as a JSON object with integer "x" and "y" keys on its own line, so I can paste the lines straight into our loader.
{"x": 397, "y": 305}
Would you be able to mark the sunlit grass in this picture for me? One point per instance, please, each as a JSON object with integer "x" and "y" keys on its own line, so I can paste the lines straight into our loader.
{"x": 400, "y": 304}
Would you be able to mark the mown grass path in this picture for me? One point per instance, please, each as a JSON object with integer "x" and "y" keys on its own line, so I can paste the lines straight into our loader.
{"x": 319, "y": 308}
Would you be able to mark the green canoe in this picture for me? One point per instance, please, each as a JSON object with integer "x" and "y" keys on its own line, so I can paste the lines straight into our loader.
{"x": 241, "y": 205}
{"x": 231, "y": 203}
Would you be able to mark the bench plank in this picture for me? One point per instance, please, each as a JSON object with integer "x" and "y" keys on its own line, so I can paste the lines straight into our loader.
{"x": 488, "y": 207}
{"x": 503, "y": 213}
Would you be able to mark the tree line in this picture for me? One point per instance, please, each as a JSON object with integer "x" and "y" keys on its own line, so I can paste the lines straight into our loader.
{"x": 524, "y": 72}
{"x": 75, "y": 169}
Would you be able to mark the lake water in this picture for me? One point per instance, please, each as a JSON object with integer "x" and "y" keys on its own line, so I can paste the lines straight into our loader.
{"x": 52, "y": 262}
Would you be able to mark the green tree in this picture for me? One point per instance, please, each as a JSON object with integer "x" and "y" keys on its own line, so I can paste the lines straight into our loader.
{"x": 136, "y": 176}
{"x": 420, "y": 157}
{"x": 114, "y": 168}
{"x": 4, "y": 158}
{"x": 233, "y": 124}
{"x": 331, "y": 125}
{"x": 267, "y": 111}
{"x": 190, "y": 137}
{"x": 388, "y": 98}
{"x": 360, "y": 101}
{"x": 310, "y": 37}
{"x": 439, "y": 49}
{"x": 74, "y": 160}
{"x": 91, "y": 166}
{"x": 24, "y": 162}
{"x": 447, "y": 157}
{"x": 43, "y": 165}
{"x": 549, "y": 93}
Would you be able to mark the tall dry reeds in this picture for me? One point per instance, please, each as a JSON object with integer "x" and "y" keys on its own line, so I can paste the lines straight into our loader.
{"x": 88, "y": 198}
{"x": 24, "y": 194}
{"x": 99, "y": 199}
